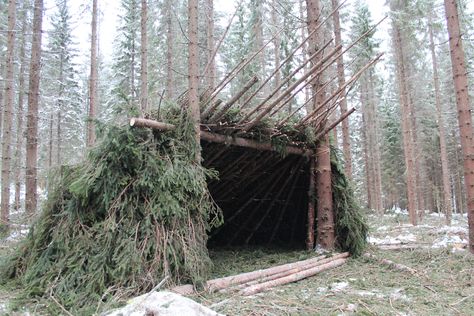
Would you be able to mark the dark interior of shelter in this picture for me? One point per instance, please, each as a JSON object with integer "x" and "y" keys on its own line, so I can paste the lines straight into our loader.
{"x": 263, "y": 196}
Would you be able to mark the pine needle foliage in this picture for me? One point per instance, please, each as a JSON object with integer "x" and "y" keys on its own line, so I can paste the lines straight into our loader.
{"x": 350, "y": 224}
{"x": 134, "y": 212}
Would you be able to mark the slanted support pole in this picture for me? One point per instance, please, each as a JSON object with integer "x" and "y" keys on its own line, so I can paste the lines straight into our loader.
{"x": 311, "y": 204}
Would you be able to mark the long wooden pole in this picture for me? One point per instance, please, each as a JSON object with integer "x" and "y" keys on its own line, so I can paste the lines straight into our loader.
{"x": 218, "y": 138}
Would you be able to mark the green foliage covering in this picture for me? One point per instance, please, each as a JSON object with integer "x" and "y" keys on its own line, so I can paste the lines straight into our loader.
{"x": 135, "y": 211}
{"x": 351, "y": 227}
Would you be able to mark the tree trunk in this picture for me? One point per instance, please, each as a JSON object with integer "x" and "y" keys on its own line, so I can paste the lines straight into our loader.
{"x": 211, "y": 70}
{"x": 442, "y": 132}
{"x": 374, "y": 146}
{"x": 169, "y": 51}
{"x": 50, "y": 141}
{"x": 21, "y": 97}
{"x": 406, "y": 124}
{"x": 93, "y": 78}
{"x": 62, "y": 83}
{"x": 257, "y": 30}
{"x": 32, "y": 116}
{"x": 277, "y": 44}
{"x": 346, "y": 141}
{"x": 463, "y": 106}
{"x": 193, "y": 73}
{"x": 8, "y": 115}
{"x": 325, "y": 216}
{"x": 144, "y": 58}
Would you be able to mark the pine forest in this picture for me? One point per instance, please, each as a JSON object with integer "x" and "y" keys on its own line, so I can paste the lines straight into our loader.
{"x": 236, "y": 157}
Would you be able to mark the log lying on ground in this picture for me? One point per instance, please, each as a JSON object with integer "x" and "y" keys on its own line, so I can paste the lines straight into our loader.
{"x": 391, "y": 264}
{"x": 226, "y": 282}
{"x": 402, "y": 246}
{"x": 303, "y": 265}
{"x": 257, "y": 288}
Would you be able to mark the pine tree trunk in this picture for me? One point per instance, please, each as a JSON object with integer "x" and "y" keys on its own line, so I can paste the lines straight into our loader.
{"x": 374, "y": 146}
{"x": 258, "y": 37}
{"x": 32, "y": 116}
{"x": 8, "y": 115}
{"x": 463, "y": 106}
{"x": 325, "y": 216}
{"x": 19, "y": 117}
{"x": 277, "y": 44}
{"x": 169, "y": 51}
{"x": 144, "y": 58}
{"x": 211, "y": 70}
{"x": 346, "y": 141}
{"x": 50, "y": 141}
{"x": 193, "y": 72}
{"x": 442, "y": 132}
{"x": 406, "y": 124}
{"x": 62, "y": 83}
{"x": 92, "y": 78}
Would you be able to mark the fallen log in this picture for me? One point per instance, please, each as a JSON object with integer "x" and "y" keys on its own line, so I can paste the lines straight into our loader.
{"x": 402, "y": 246}
{"x": 391, "y": 264}
{"x": 303, "y": 266}
{"x": 222, "y": 283}
{"x": 257, "y": 288}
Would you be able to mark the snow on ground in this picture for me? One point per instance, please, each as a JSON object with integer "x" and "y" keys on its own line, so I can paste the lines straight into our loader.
{"x": 431, "y": 231}
{"x": 163, "y": 304}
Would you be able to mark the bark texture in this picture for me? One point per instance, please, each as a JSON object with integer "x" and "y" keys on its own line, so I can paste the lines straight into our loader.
{"x": 32, "y": 116}
{"x": 441, "y": 129}
{"x": 92, "y": 78}
{"x": 8, "y": 115}
{"x": 405, "y": 111}
{"x": 144, "y": 58}
{"x": 20, "y": 113}
{"x": 193, "y": 72}
{"x": 346, "y": 142}
{"x": 325, "y": 215}
{"x": 463, "y": 105}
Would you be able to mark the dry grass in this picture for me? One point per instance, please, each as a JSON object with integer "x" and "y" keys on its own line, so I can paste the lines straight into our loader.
{"x": 443, "y": 284}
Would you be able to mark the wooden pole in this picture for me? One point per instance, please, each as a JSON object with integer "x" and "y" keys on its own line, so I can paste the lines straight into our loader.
{"x": 292, "y": 277}
{"x": 305, "y": 76}
{"x": 333, "y": 125}
{"x": 243, "y": 142}
{"x": 232, "y": 101}
{"x": 142, "y": 122}
{"x": 222, "y": 283}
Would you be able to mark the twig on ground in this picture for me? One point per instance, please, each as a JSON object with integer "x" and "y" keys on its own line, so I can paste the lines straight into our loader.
{"x": 60, "y": 306}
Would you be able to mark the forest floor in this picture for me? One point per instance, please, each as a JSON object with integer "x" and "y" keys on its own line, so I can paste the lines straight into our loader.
{"x": 441, "y": 281}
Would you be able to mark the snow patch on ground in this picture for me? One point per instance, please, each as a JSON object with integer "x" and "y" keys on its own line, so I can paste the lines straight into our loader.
{"x": 164, "y": 304}
{"x": 391, "y": 240}
{"x": 339, "y": 286}
{"x": 449, "y": 240}
{"x": 17, "y": 234}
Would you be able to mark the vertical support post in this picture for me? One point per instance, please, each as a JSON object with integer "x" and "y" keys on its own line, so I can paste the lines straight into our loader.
{"x": 311, "y": 203}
